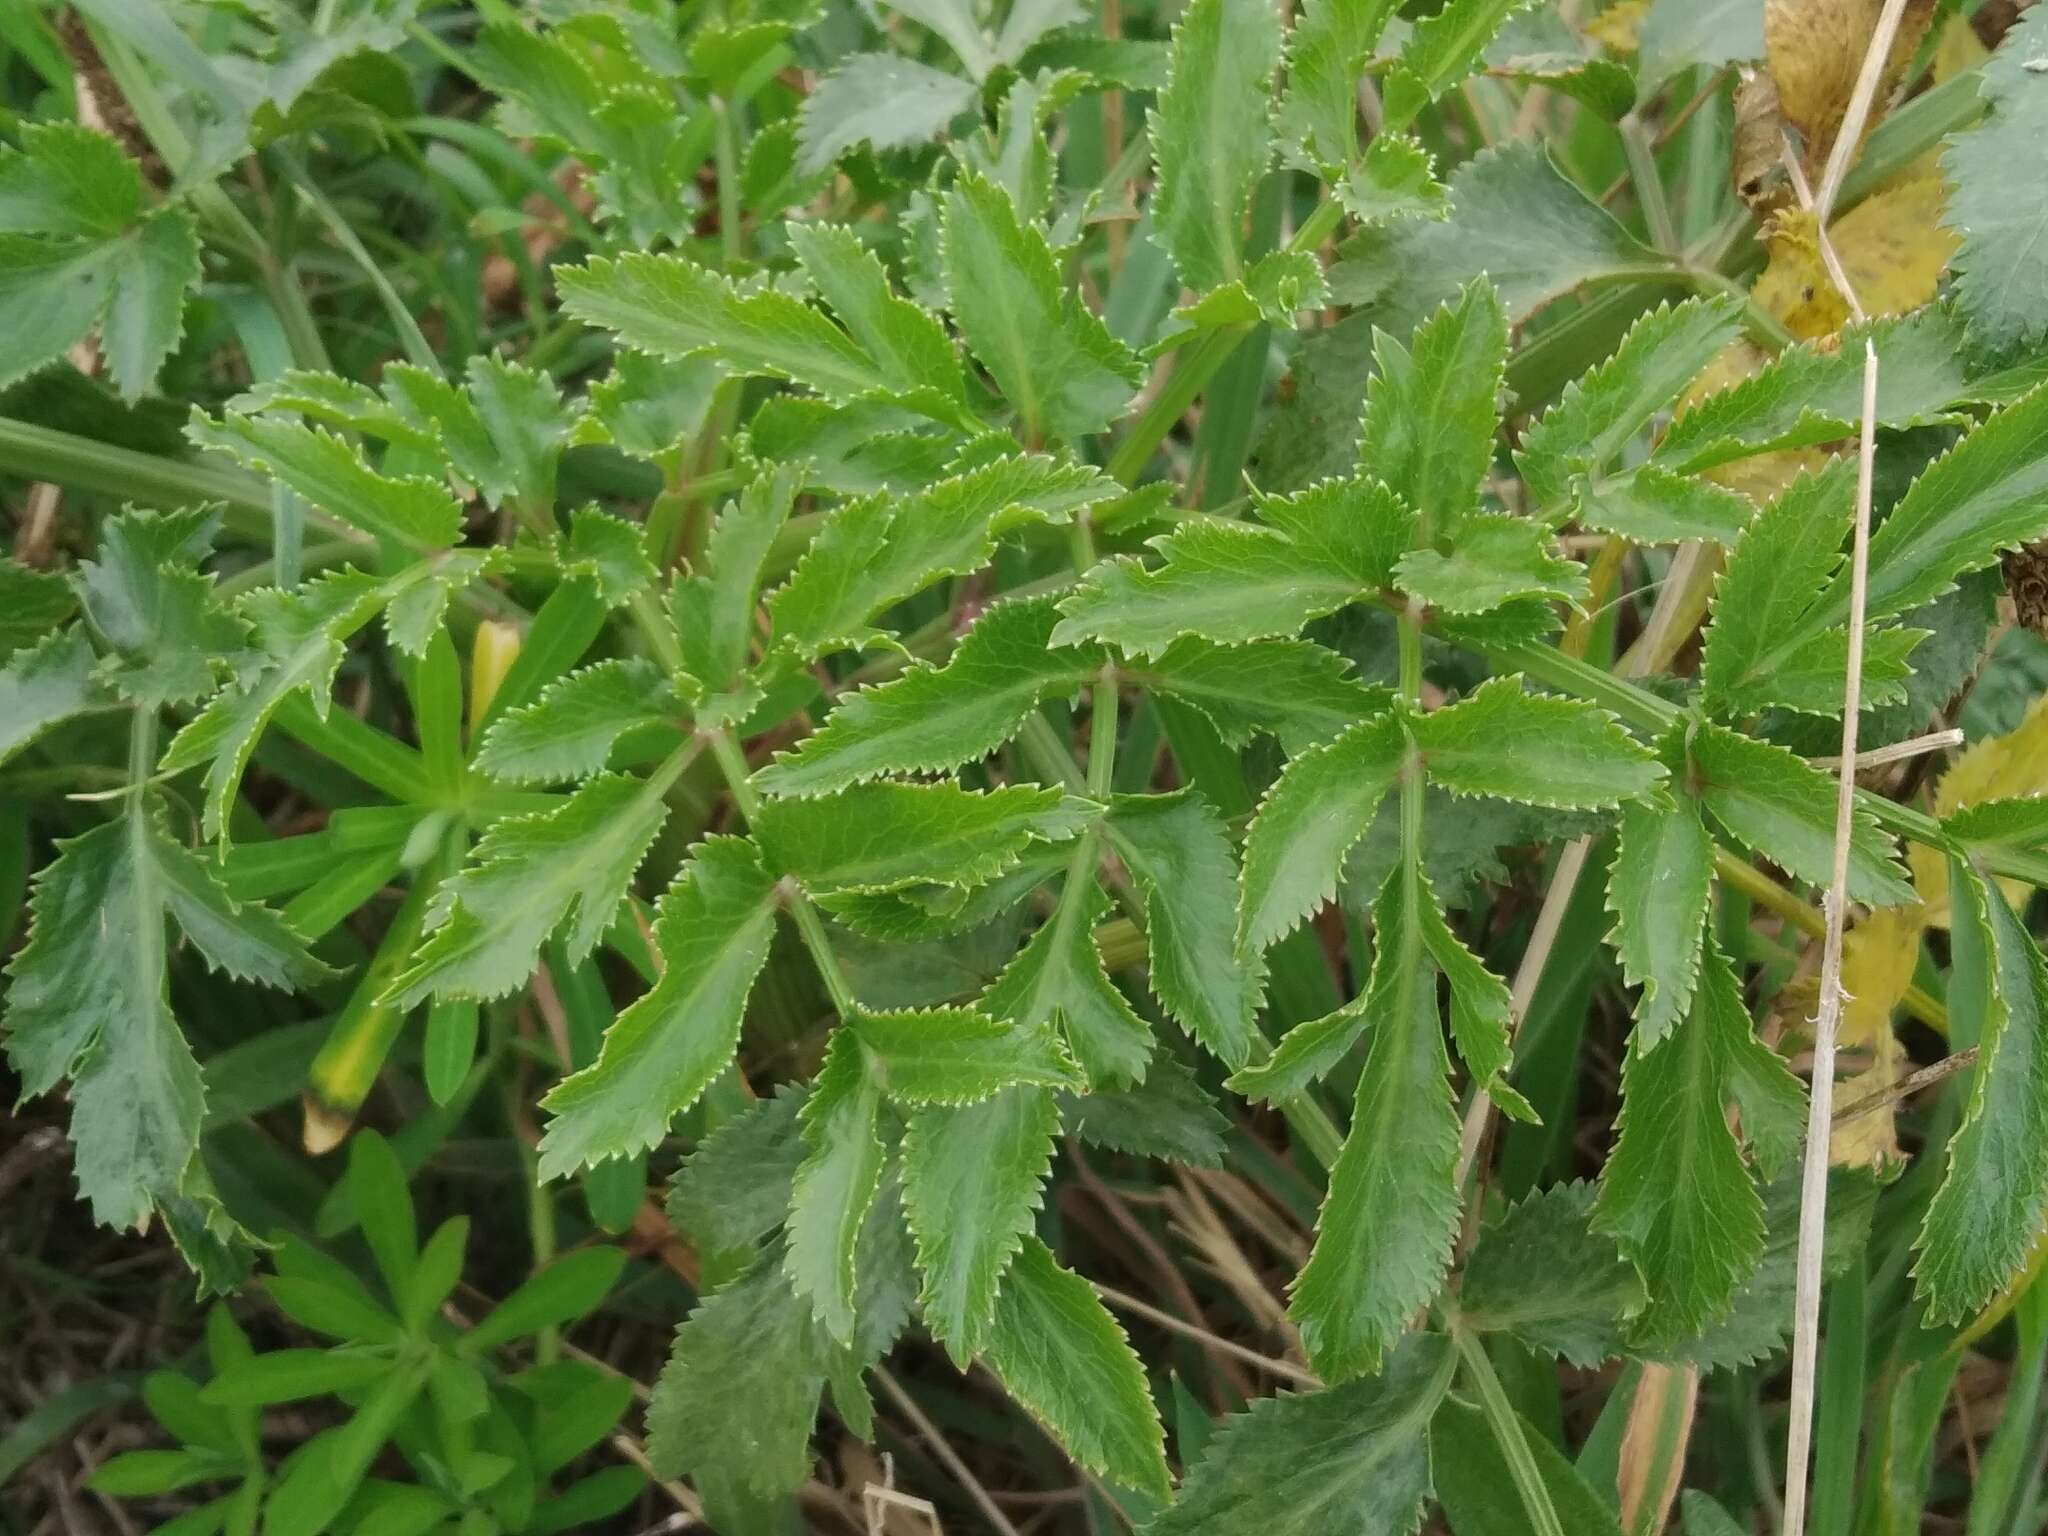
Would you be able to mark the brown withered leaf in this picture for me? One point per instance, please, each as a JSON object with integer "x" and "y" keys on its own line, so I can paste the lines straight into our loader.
{"x": 1816, "y": 50}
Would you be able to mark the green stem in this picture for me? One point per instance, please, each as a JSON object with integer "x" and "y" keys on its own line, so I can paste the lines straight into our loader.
{"x": 810, "y": 926}
{"x": 1102, "y": 728}
{"x": 43, "y": 453}
{"x": 1192, "y": 370}
{"x": 1048, "y": 754}
{"x": 1649, "y": 185}
{"x": 1506, "y": 1425}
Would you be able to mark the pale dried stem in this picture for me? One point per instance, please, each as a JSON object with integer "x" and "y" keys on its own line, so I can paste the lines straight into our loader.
{"x": 1897, "y": 752}
{"x": 1813, "y": 1191}
{"x": 1137, "y": 1307}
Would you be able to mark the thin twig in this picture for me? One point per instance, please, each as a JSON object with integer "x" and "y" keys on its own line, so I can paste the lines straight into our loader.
{"x": 1906, "y": 1087}
{"x": 948, "y": 1457}
{"x": 1813, "y": 1191}
{"x": 1122, "y": 1300}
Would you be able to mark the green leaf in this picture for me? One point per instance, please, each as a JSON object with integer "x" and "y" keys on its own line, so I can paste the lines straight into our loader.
{"x": 98, "y": 1012}
{"x": 1539, "y": 47}
{"x": 503, "y": 433}
{"x": 908, "y": 342}
{"x": 951, "y": 1056}
{"x": 1985, "y": 1217}
{"x": 1480, "y": 1009}
{"x": 889, "y": 836}
{"x": 561, "y": 871}
{"x": 1329, "y": 545}
{"x": 733, "y": 1189}
{"x": 1812, "y": 394}
{"x": 1658, "y": 891}
{"x": 2014, "y": 823}
{"x": 383, "y": 1208}
{"x": 1676, "y": 1194}
{"x": 1430, "y": 411}
{"x": 1479, "y": 1492}
{"x": 1987, "y": 494}
{"x": 647, "y": 405}
{"x": 569, "y": 1288}
{"x": 1780, "y": 807}
{"x": 608, "y": 550}
{"x": 1490, "y": 562}
{"x": 1783, "y": 558}
{"x": 1061, "y": 1355}
{"x": 144, "y": 595}
{"x": 1212, "y": 137}
{"x": 836, "y": 1183}
{"x": 1605, "y": 408}
{"x": 1514, "y": 217}
{"x": 1354, "y": 1458}
{"x": 1394, "y": 179}
{"x": 1654, "y": 506}
{"x": 1179, "y": 854}
{"x": 675, "y": 309}
{"x": 1326, "y": 54}
{"x": 43, "y": 686}
{"x": 711, "y": 930}
{"x": 935, "y": 718}
{"x": 1388, "y": 1219}
{"x": 153, "y": 268}
{"x": 1755, "y": 1326}
{"x": 714, "y": 609}
{"x": 54, "y": 292}
{"x": 33, "y": 605}
{"x": 882, "y": 100}
{"x": 570, "y": 730}
{"x": 874, "y": 553}
{"x": 1441, "y": 51}
{"x": 409, "y": 510}
{"x": 1999, "y": 282}
{"x": 1541, "y": 1272}
{"x": 106, "y": 261}
{"x": 1058, "y": 978}
{"x": 67, "y": 180}
{"x": 1680, "y": 34}
{"x": 1292, "y": 690}
{"x": 1056, "y": 362}
{"x": 1322, "y": 803}
{"x": 971, "y": 1178}
{"x": 740, "y": 1392}
{"x": 301, "y": 636}
{"x": 1538, "y": 749}
{"x": 1168, "y": 1116}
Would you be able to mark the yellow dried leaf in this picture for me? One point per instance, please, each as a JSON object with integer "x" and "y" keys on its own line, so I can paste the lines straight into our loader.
{"x": 1878, "y": 959}
{"x": 1619, "y": 28}
{"x": 1998, "y": 768}
{"x": 1816, "y": 50}
{"x": 1893, "y": 247}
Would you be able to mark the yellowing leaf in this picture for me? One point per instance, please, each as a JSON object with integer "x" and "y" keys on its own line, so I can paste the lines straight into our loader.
{"x": 1999, "y": 768}
{"x": 1878, "y": 960}
{"x": 1892, "y": 246}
